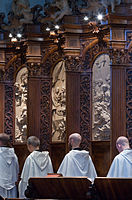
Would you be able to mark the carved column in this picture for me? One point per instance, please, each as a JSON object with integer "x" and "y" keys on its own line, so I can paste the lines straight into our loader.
{"x": 2, "y": 93}
{"x": 120, "y": 42}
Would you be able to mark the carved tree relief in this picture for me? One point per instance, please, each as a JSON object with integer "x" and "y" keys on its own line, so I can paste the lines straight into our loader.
{"x": 101, "y": 98}
{"x": 59, "y": 103}
{"x": 21, "y": 105}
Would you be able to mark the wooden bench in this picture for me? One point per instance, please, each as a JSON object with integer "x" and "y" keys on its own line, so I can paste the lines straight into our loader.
{"x": 59, "y": 188}
{"x": 114, "y": 188}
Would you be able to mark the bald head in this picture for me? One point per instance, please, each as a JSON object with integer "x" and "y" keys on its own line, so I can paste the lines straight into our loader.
{"x": 75, "y": 140}
{"x": 122, "y": 143}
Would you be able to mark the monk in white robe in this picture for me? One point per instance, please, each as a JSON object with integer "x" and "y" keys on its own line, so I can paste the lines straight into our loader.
{"x": 9, "y": 168}
{"x": 122, "y": 163}
{"x": 37, "y": 164}
{"x": 77, "y": 162}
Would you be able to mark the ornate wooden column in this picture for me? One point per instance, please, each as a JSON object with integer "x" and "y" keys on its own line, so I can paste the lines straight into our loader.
{"x": 121, "y": 31}
{"x": 2, "y": 94}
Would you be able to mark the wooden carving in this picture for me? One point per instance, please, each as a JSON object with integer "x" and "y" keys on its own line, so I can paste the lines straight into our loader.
{"x": 129, "y": 101}
{"x": 45, "y": 114}
{"x": 85, "y": 109}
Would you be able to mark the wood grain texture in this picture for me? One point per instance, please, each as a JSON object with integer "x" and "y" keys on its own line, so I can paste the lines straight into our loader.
{"x": 61, "y": 187}
{"x": 101, "y": 156}
{"x": 114, "y": 188}
{"x": 34, "y": 107}
{"x": 118, "y": 109}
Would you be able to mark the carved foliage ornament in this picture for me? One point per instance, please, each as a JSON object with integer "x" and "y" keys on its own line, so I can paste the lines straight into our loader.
{"x": 50, "y": 61}
{"x": 72, "y": 63}
{"x": 45, "y": 115}
{"x": 91, "y": 53}
{"x": 129, "y": 101}
{"x": 85, "y": 112}
{"x": 9, "y": 114}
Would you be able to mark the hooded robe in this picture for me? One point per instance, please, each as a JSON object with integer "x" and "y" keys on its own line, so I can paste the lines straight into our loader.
{"x": 9, "y": 170}
{"x": 78, "y": 163}
{"x": 122, "y": 165}
{"x": 37, "y": 164}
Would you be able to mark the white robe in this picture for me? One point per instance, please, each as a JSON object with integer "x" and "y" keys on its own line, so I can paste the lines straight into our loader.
{"x": 37, "y": 164}
{"x": 78, "y": 163}
{"x": 9, "y": 170}
{"x": 121, "y": 165}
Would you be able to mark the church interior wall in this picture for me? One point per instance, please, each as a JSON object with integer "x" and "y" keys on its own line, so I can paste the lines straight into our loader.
{"x": 79, "y": 46}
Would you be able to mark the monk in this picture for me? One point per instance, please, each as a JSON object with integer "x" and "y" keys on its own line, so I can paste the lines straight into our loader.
{"x": 122, "y": 163}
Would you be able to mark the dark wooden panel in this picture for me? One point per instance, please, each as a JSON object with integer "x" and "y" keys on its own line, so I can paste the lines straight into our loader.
{"x": 22, "y": 153}
{"x": 61, "y": 187}
{"x": 114, "y": 188}
{"x": 34, "y": 107}
{"x": 58, "y": 151}
{"x": 118, "y": 121}
{"x": 73, "y": 102}
{"x": 101, "y": 156}
{"x": 1, "y": 108}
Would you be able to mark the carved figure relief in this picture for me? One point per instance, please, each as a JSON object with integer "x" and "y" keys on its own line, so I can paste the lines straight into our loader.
{"x": 21, "y": 105}
{"x": 101, "y": 98}
{"x": 59, "y": 103}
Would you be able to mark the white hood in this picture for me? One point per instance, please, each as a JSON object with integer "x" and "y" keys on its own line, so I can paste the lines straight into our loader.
{"x": 8, "y": 154}
{"x": 9, "y": 168}
{"x": 127, "y": 154}
{"x": 40, "y": 158}
{"x": 78, "y": 163}
{"x": 80, "y": 158}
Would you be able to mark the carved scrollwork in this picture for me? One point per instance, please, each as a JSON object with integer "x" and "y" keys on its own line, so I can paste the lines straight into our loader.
{"x": 50, "y": 61}
{"x": 119, "y": 56}
{"x": 9, "y": 114}
{"x": 72, "y": 63}
{"x": 85, "y": 113}
{"x": 9, "y": 74}
{"x": 91, "y": 53}
{"x": 34, "y": 69}
{"x": 45, "y": 115}
{"x": 129, "y": 101}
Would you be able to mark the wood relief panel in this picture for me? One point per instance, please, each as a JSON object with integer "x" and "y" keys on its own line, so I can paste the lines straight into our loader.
{"x": 59, "y": 103}
{"x": 9, "y": 114}
{"x": 129, "y": 102}
{"x": 85, "y": 109}
{"x": 45, "y": 114}
{"x": 101, "y": 98}
{"x": 21, "y": 106}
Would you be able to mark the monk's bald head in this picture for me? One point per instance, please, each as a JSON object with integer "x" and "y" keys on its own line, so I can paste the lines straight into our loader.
{"x": 122, "y": 143}
{"x": 75, "y": 140}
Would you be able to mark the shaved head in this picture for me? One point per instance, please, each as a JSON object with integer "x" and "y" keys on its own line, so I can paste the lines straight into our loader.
{"x": 122, "y": 140}
{"x": 122, "y": 143}
{"x": 75, "y": 140}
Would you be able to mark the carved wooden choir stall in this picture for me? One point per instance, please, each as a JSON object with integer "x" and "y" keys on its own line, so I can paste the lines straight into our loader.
{"x": 74, "y": 77}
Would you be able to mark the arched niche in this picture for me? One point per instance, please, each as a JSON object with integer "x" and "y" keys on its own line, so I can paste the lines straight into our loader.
{"x": 21, "y": 106}
{"x": 101, "y": 98}
{"x": 59, "y": 103}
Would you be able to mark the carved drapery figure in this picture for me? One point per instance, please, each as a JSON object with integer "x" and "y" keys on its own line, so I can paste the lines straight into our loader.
{"x": 59, "y": 103}
{"x": 21, "y": 105}
{"x": 101, "y": 98}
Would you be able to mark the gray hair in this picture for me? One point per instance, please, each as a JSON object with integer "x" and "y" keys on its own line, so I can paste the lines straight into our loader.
{"x": 34, "y": 141}
{"x": 5, "y": 139}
